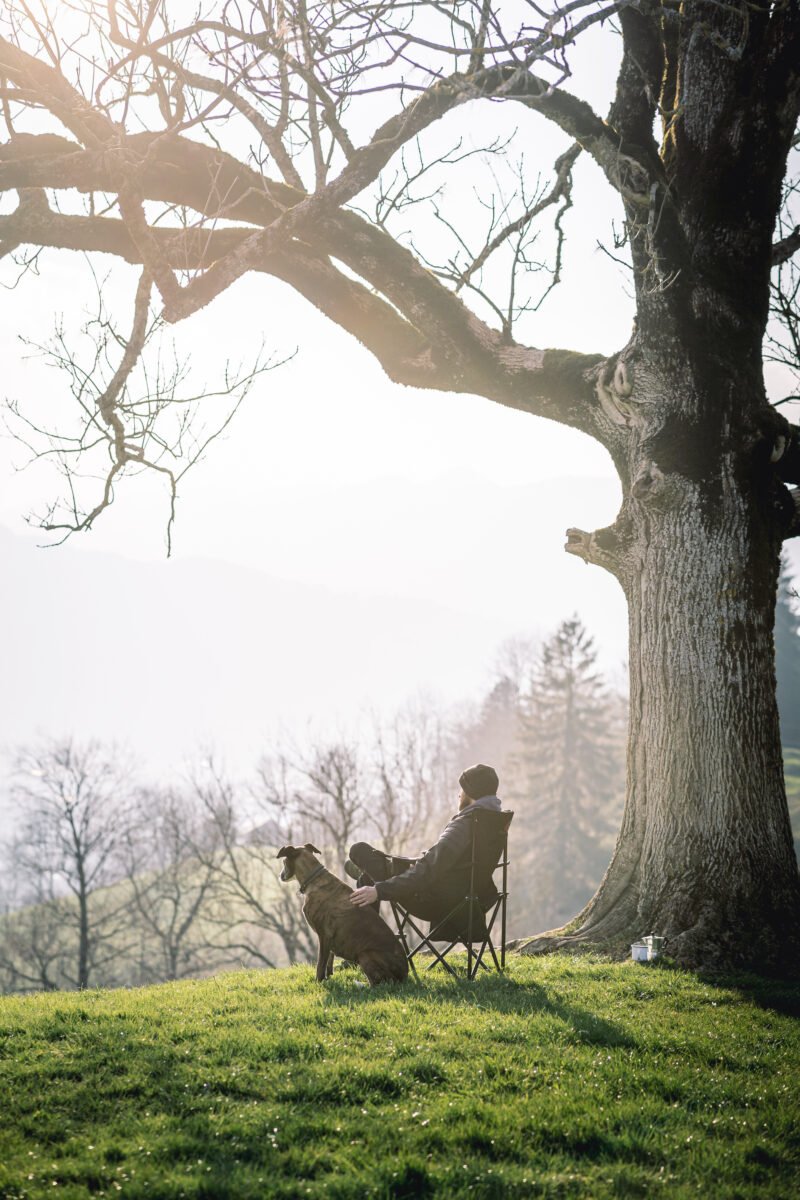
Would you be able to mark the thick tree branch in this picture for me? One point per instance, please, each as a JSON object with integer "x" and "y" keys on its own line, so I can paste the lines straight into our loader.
{"x": 453, "y": 347}
{"x": 794, "y": 525}
{"x": 786, "y": 455}
{"x": 89, "y": 126}
{"x": 638, "y": 81}
{"x": 169, "y": 169}
{"x": 783, "y": 250}
{"x": 627, "y": 166}
{"x": 468, "y": 356}
{"x": 464, "y": 354}
{"x": 404, "y": 354}
{"x": 609, "y": 548}
{"x": 657, "y": 245}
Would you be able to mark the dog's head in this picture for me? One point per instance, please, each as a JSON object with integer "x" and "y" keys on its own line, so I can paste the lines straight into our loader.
{"x": 297, "y": 856}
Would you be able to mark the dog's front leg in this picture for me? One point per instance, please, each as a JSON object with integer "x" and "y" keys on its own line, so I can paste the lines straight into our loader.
{"x": 324, "y": 958}
{"x": 329, "y": 967}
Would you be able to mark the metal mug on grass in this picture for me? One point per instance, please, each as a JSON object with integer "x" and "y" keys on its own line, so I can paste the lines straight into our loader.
{"x": 654, "y": 944}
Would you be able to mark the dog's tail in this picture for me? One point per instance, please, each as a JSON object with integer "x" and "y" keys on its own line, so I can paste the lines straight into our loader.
{"x": 383, "y": 967}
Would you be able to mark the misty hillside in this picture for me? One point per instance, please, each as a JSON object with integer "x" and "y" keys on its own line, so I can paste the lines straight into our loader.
{"x": 424, "y": 585}
{"x": 173, "y": 654}
{"x": 458, "y": 539}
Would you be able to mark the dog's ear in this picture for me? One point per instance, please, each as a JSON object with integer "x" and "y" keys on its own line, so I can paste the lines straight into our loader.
{"x": 310, "y": 846}
{"x": 286, "y": 852}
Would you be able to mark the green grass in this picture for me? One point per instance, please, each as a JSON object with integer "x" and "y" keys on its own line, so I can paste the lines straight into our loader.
{"x": 569, "y": 1077}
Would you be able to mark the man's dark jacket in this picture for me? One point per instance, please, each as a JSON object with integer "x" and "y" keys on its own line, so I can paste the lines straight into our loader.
{"x": 443, "y": 872}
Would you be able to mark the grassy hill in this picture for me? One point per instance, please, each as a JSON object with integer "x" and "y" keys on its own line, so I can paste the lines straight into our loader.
{"x": 222, "y": 933}
{"x": 569, "y": 1077}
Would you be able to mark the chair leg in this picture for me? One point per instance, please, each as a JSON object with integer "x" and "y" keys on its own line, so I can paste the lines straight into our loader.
{"x": 404, "y": 920}
{"x": 475, "y": 957}
{"x": 401, "y": 920}
{"x": 470, "y": 915}
{"x": 427, "y": 940}
{"x": 487, "y": 943}
{"x": 497, "y": 965}
{"x": 400, "y": 926}
{"x": 504, "y": 901}
{"x": 442, "y": 958}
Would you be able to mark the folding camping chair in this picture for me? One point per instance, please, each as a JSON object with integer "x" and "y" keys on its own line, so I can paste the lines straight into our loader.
{"x": 468, "y": 923}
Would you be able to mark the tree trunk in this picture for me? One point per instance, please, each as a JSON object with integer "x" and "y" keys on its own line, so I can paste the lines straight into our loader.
{"x": 705, "y": 855}
{"x": 83, "y": 939}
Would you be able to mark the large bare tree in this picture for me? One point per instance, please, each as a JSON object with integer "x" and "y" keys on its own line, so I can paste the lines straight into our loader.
{"x": 72, "y": 804}
{"x": 411, "y": 780}
{"x": 231, "y": 138}
{"x": 172, "y": 892}
{"x": 254, "y": 918}
{"x": 389, "y": 786}
{"x": 314, "y": 794}
{"x": 33, "y": 947}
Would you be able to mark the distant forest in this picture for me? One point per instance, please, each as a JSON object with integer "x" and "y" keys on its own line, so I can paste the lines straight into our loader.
{"x": 111, "y": 881}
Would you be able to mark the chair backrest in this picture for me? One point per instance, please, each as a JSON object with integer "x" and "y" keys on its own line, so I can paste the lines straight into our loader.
{"x": 489, "y": 843}
{"x": 489, "y": 851}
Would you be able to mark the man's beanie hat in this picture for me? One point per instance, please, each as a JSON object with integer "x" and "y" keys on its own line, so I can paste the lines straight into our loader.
{"x": 479, "y": 781}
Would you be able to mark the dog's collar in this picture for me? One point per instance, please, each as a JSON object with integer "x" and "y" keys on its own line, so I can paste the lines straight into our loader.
{"x": 311, "y": 878}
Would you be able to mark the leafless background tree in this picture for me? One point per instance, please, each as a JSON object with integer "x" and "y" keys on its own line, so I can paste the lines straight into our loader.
{"x": 72, "y": 803}
{"x": 172, "y": 889}
{"x": 412, "y": 779}
{"x": 33, "y": 951}
{"x": 257, "y": 921}
{"x": 315, "y": 794}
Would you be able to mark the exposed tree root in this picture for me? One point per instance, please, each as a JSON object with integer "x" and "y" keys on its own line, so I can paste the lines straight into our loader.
{"x": 575, "y": 941}
{"x": 699, "y": 948}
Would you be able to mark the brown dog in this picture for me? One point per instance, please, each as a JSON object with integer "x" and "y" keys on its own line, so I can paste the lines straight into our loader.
{"x": 357, "y": 934}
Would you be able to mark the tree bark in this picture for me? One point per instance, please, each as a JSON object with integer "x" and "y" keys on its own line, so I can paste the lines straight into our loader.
{"x": 83, "y": 938}
{"x": 705, "y": 855}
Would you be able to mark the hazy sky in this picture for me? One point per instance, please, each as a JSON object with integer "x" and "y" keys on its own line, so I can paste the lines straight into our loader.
{"x": 333, "y": 476}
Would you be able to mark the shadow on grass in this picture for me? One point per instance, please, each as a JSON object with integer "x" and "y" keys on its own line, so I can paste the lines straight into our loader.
{"x": 780, "y": 996}
{"x": 498, "y": 993}
{"x": 767, "y": 992}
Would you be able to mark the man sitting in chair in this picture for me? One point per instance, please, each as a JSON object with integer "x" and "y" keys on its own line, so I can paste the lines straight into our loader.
{"x": 431, "y": 886}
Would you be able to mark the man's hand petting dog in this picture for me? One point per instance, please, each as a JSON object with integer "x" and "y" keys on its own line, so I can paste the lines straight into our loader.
{"x": 363, "y": 896}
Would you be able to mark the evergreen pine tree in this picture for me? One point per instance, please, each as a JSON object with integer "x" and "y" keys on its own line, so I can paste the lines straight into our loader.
{"x": 486, "y": 732}
{"x": 569, "y": 781}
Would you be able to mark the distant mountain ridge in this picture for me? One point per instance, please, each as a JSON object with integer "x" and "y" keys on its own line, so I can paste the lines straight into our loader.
{"x": 167, "y": 656}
